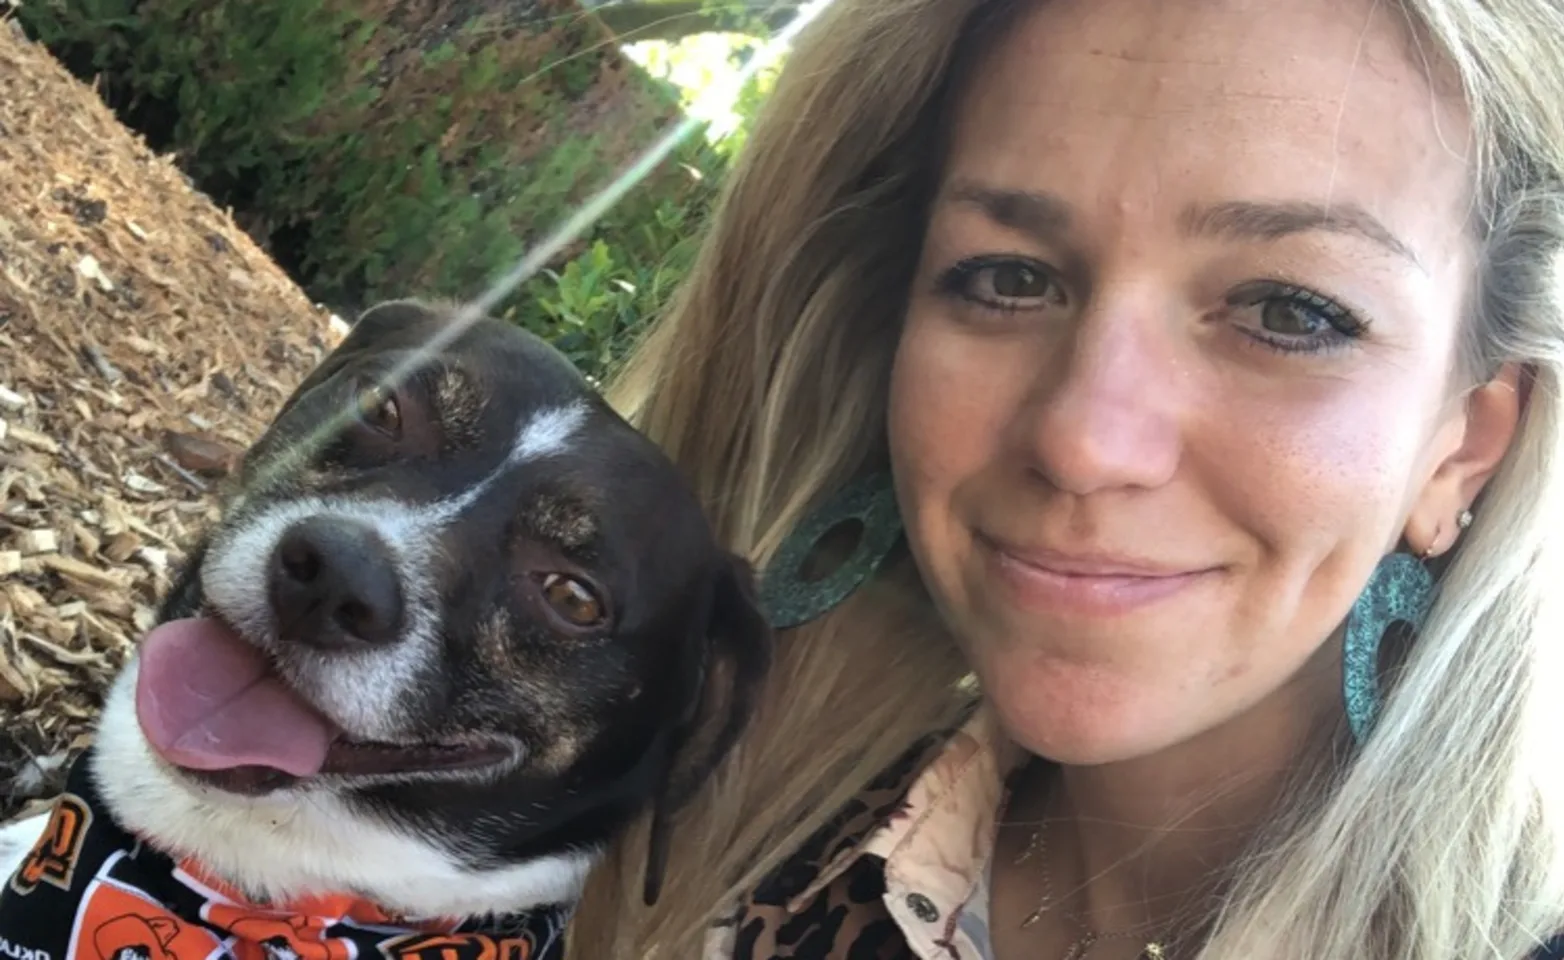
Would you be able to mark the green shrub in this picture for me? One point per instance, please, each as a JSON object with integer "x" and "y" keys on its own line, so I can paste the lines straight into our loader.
{"x": 596, "y": 304}
{"x": 599, "y": 303}
{"x": 382, "y": 148}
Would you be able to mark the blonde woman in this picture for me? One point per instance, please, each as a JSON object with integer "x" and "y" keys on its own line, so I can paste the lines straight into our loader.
{"x": 1193, "y": 371}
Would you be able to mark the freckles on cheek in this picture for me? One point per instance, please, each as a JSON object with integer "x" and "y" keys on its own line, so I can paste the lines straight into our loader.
{"x": 1328, "y": 472}
{"x": 1231, "y": 671}
{"x": 915, "y": 423}
{"x": 947, "y": 405}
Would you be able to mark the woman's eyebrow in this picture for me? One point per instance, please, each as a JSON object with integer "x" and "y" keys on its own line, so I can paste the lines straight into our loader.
{"x": 1244, "y": 219}
{"x": 1045, "y": 216}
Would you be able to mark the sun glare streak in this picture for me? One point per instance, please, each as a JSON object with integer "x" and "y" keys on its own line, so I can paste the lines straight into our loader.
{"x": 573, "y": 227}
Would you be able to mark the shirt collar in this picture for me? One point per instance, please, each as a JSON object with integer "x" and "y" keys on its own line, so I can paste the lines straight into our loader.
{"x": 941, "y": 835}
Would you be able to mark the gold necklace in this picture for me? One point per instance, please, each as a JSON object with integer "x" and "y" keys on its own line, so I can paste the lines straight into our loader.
{"x": 1038, "y": 845}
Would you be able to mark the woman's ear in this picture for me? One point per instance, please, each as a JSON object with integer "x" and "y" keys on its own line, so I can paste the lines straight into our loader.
{"x": 1475, "y": 441}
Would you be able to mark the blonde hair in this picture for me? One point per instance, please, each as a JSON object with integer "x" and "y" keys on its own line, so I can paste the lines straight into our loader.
{"x": 767, "y": 382}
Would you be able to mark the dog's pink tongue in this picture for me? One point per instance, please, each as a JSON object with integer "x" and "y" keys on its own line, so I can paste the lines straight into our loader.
{"x": 208, "y": 701}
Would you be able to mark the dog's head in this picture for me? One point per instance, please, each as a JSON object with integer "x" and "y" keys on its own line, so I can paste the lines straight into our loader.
{"x": 473, "y": 604}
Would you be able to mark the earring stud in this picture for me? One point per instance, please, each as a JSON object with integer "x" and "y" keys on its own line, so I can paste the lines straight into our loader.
{"x": 1464, "y": 520}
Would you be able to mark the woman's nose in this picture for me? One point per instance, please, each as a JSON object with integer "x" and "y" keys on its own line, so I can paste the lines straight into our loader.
{"x": 1107, "y": 411}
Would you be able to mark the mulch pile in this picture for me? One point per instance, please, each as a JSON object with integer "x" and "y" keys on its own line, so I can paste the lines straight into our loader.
{"x": 144, "y": 341}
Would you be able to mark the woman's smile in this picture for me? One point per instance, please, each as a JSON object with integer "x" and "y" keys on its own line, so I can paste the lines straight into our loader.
{"x": 1090, "y": 583}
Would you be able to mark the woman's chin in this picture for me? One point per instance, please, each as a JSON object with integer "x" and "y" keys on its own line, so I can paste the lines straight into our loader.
{"x": 1087, "y": 718}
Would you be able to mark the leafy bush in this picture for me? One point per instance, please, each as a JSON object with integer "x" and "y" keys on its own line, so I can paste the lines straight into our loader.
{"x": 386, "y": 147}
{"x": 596, "y": 306}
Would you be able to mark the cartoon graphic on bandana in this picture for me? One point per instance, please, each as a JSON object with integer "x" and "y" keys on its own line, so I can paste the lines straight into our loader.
{"x": 277, "y": 948}
{"x": 132, "y": 937}
{"x": 54, "y": 855}
{"x": 267, "y": 935}
{"x": 118, "y": 922}
{"x": 465, "y": 946}
{"x": 115, "y": 924}
{"x": 90, "y": 890}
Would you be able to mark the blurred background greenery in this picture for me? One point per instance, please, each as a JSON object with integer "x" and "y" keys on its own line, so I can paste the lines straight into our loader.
{"x": 386, "y": 148}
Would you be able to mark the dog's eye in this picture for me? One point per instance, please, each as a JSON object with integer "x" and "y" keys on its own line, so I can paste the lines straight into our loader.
{"x": 378, "y": 408}
{"x": 572, "y": 600}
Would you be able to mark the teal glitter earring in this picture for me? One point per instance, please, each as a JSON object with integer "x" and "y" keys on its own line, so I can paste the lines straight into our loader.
{"x": 788, "y": 597}
{"x": 1399, "y": 592}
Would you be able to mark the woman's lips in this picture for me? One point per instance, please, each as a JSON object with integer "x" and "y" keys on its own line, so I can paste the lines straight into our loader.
{"x": 1083, "y": 584}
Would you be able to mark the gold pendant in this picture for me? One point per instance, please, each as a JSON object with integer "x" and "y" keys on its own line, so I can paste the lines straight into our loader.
{"x": 1153, "y": 951}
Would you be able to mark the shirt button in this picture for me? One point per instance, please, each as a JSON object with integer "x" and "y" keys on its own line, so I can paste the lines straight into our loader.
{"x": 922, "y": 907}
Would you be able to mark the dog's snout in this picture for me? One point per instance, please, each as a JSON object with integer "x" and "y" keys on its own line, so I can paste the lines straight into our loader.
{"x": 334, "y": 586}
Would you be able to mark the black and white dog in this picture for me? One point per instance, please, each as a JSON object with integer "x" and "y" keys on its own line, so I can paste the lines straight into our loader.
{"x": 424, "y": 669}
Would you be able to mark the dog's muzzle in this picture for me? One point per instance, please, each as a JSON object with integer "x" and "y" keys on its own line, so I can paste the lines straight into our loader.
{"x": 333, "y": 586}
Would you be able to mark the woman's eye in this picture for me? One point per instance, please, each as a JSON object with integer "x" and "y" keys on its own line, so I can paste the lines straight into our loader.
{"x": 1007, "y": 284}
{"x": 1292, "y": 319}
{"x": 1295, "y": 320}
{"x": 1017, "y": 281}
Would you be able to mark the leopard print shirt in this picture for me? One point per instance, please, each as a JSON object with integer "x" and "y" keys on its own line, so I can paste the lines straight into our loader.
{"x": 900, "y": 873}
{"x": 893, "y": 875}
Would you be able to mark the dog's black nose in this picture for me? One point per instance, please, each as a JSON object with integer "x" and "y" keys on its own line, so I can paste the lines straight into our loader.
{"x": 334, "y": 586}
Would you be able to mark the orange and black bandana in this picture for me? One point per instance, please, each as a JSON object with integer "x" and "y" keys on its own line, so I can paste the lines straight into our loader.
{"x": 91, "y": 891}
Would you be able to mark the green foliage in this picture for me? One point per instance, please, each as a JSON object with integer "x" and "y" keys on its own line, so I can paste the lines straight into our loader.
{"x": 600, "y": 302}
{"x": 596, "y": 305}
{"x": 379, "y": 155}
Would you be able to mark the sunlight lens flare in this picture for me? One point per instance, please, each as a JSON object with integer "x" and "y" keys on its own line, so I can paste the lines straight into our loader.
{"x": 551, "y": 245}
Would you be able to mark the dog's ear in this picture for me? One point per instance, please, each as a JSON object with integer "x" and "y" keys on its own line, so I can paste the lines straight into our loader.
{"x": 394, "y": 320}
{"x": 387, "y": 324}
{"x": 721, "y": 677}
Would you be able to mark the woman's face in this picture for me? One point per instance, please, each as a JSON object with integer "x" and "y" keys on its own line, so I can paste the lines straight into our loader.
{"x": 1179, "y": 364}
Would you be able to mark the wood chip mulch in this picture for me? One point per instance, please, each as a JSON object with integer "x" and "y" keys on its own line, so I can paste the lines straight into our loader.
{"x": 144, "y": 340}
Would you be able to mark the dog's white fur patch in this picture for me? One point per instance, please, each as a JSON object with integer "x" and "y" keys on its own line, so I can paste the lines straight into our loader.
{"x": 305, "y": 842}
{"x": 548, "y": 432}
{"x": 359, "y": 690}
